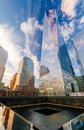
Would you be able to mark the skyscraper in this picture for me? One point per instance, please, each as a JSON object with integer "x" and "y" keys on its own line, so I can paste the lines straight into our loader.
{"x": 25, "y": 75}
{"x": 12, "y": 81}
{"x": 78, "y": 42}
{"x": 3, "y": 59}
{"x": 65, "y": 60}
{"x": 61, "y": 79}
{"x": 68, "y": 71}
{"x": 78, "y": 47}
{"x": 43, "y": 70}
{"x": 53, "y": 81}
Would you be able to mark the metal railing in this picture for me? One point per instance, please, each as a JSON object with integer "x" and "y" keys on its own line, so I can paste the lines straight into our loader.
{"x": 10, "y": 120}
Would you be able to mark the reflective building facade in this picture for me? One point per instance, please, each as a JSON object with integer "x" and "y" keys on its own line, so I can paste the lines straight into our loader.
{"x": 51, "y": 83}
{"x": 25, "y": 75}
{"x": 78, "y": 44}
{"x": 68, "y": 71}
{"x": 78, "y": 41}
{"x": 3, "y": 59}
{"x": 61, "y": 78}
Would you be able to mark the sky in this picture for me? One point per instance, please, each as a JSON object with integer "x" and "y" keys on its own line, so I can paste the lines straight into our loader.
{"x": 22, "y": 25}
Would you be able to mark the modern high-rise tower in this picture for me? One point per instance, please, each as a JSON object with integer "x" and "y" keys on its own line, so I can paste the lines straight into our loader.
{"x": 3, "y": 59}
{"x": 43, "y": 70}
{"x": 78, "y": 46}
{"x": 60, "y": 79}
{"x": 67, "y": 70}
{"x": 78, "y": 41}
{"x": 25, "y": 75}
{"x": 52, "y": 82}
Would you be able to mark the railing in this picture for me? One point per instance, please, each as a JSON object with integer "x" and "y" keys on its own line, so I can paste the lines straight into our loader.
{"x": 13, "y": 121}
{"x": 75, "y": 124}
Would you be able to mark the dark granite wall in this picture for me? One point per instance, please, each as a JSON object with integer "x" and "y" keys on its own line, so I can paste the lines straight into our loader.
{"x": 71, "y": 101}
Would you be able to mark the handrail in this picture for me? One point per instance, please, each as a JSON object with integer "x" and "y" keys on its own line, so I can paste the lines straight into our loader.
{"x": 10, "y": 118}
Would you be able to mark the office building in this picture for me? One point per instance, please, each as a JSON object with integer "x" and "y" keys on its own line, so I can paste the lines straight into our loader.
{"x": 61, "y": 78}
{"x": 3, "y": 59}
{"x": 78, "y": 45}
{"x": 68, "y": 71}
{"x": 78, "y": 41}
{"x": 51, "y": 83}
{"x": 43, "y": 70}
{"x": 12, "y": 82}
{"x": 25, "y": 75}
{"x": 65, "y": 60}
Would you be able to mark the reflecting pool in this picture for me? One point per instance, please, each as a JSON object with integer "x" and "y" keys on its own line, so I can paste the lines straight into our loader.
{"x": 41, "y": 117}
{"x": 49, "y": 117}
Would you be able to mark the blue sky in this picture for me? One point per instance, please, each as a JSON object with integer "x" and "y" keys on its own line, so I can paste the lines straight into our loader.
{"x": 21, "y": 28}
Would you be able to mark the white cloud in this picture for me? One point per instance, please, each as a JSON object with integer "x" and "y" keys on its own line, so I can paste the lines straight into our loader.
{"x": 82, "y": 20}
{"x": 36, "y": 44}
{"x": 79, "y": 40}
{"x": 72, "y": 53}
{"x": 9, "y": 40}
{"x": 79, "y": 44}
{"x": 68, "y": 7}
{"x": 67, "y": 30}
{"x": 29, "y": 28}
{"x": 50, "y": 60}
{"x": 47, "y": 46}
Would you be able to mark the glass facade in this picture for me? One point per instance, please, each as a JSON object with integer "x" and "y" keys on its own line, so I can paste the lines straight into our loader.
{"x": 3, "y": 59}
{"x": 25, "y": 75}
{"x": 65, "y": 60}
{"x": 68, "y": 71}
{"x": 60, "y": 78}
{"x": 28, "y": 65}
{"x": 51, "y": 82}
{"x": 78, "y": 43}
